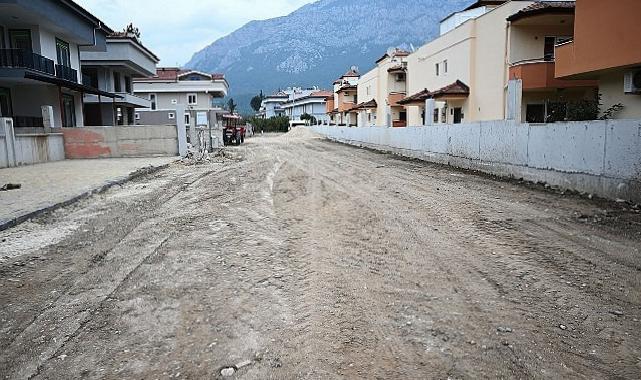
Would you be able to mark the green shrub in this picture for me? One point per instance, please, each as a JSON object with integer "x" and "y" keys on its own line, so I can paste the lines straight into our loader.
{"x": 273, "y": 124}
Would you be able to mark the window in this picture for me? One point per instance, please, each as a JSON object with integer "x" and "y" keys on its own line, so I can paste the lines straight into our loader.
{"x": 192, "y": 99}
{"x": 435, "y": 116}
{"x": 128, "y": 85}
{"x": 68, "y": 111}
{"x": 171, "y": 115}
{"x": 90, "y": 77}
{"x": 174, "y": 101}
{"x": 137, "y": 116}
{"x": 438, "y": 69}
{"x": 5, "y": 102}
{"x": 535, "y": 113}
{"x": 152, "y": 98}
{"x": 130, "y": 115}
{"x": 63, "y": 53}
{"x": 548, "y": 48}
{"x": 187, "y": 119}
{"x": 117, "y": 84}
{"x": 20, "y": 39}
{"x": 1, "y": 37}
{"x": 445, "y": 67}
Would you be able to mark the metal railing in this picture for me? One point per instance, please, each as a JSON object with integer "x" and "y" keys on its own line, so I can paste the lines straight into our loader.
{"x": 27, "y": 122}
{"x": 66, "y": 73}
{"x": 20, "y": 58}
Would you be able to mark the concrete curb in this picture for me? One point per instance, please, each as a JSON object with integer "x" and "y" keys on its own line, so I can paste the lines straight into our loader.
{"x": 100, "y": 189}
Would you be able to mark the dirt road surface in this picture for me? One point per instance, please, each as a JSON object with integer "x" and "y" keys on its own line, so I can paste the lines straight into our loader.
{"x": 299, "y": 258}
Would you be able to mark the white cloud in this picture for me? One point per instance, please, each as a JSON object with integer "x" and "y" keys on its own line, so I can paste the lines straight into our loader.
{"x": 175, "y": 29}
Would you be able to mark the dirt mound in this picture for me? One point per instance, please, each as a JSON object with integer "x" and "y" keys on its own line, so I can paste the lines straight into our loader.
{"x": 301, "y": 132}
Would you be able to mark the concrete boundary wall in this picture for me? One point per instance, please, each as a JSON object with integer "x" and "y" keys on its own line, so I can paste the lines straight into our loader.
{"x": 18, "y": 149}
{"x": 121, "y": 141}
{"x": 597, "y": 157}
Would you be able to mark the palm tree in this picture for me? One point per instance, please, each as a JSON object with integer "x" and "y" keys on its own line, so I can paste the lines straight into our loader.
{"x": 231, "y": 105}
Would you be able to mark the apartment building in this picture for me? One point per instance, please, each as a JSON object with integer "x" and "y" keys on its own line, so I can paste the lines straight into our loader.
{"x": 272, "y": 105}
{"x": 39, "y": 61}
{"x": 172, "y": 88}
{"x": 381, "y": 89}
{"x": 310, "y": 102}
{"x": 345, "y": 99}
{"x": 113, "y": 70}
{"x": 605, "y": 48}
{"x": 465, "y": 74}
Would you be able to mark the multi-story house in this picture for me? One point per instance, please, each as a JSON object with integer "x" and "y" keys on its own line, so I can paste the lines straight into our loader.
{"x": 380, "y": 90}
{"x": 272, "y": 105}
{"x": 113, "y": 70}
{"x": 40, "y": 80}
{"x": 606, "y": 48}
{"x": 466, "y": 74}
{"x": 172, "y": 88}
{"x": 311, "y": 102}
{"x": 345, "y": 99}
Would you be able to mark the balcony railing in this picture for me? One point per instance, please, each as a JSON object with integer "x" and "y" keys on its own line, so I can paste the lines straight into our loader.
{"x": 66, "y": 73}
{"x": 20, "y": 58}
{"x": 539, "y": 74}
{"x": 27, "y": 122}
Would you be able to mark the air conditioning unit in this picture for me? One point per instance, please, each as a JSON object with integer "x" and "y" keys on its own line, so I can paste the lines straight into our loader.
{"x": 632, "y": 82}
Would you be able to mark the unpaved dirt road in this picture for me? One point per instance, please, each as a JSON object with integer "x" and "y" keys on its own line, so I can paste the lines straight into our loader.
{"x": 302, "y": 258}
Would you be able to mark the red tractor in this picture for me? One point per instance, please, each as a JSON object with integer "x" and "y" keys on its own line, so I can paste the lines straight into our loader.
{"x": 233, "y": 130}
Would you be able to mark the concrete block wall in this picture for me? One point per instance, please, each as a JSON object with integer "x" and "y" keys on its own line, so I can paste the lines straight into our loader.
{"x": 121, "y": 141}
{"x": 25, "y": 149}
{"x": 597, "y": 157}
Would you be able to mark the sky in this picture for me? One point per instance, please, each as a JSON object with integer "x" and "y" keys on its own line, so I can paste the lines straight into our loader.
{"x": 176, "y": 29}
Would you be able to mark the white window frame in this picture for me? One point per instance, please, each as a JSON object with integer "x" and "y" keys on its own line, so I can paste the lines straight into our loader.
{"x": 187, "y": 119}
{"x": 154, "y": 102}
{"x": 445, "y": 66}
{"x": 189, "y": 102}
{"x": 438, "y": 69}
{"x": 137, "y": 116}
{"x": 171, "y": 115}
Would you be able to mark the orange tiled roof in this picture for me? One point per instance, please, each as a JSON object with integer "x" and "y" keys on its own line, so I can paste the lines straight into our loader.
{"x": 543, "y": 7}
{"x": 418, "y": 97}
{"x": 456, "y": 88}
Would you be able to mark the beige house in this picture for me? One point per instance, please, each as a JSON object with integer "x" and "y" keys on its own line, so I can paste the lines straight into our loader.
{"x": 380, "y": 90}
{"x": 500, "y": 49}
{"x": 345, "y": 99}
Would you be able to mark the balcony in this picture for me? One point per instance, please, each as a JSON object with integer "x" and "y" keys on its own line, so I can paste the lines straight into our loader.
{"x": 540, "y": 75}
{"x": 66, "y": 73}
{"x": 24, "y": 59}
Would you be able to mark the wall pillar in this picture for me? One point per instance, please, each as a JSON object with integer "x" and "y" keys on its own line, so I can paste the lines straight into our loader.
{"x": 6, "y": 130}
{"x": 514, "y": 100}
{"x": 430, "y": 105}
{"x": 182, "y": 130}
{"x": 388, "y": 116}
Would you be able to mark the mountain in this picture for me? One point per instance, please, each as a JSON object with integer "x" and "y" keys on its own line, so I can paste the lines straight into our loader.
{"x": 317, "y": 43}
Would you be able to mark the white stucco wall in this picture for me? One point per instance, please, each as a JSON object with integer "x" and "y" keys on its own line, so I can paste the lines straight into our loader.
{"x": 598, "y": 157}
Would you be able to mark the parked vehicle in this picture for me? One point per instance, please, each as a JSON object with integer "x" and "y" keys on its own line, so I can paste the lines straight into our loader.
{"x": 233, "y": 130}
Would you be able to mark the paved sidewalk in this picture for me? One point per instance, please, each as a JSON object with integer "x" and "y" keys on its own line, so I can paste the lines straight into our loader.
{"x": 49, "y": 185}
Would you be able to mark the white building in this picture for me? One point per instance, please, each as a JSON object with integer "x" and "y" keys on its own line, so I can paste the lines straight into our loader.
{"x": 311, "y": 102}
{"x": 272, "y": 105}
{"x": 173, "y": 88}
{"x": 39, "y": 61}
{"x": 113, "y": 71}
